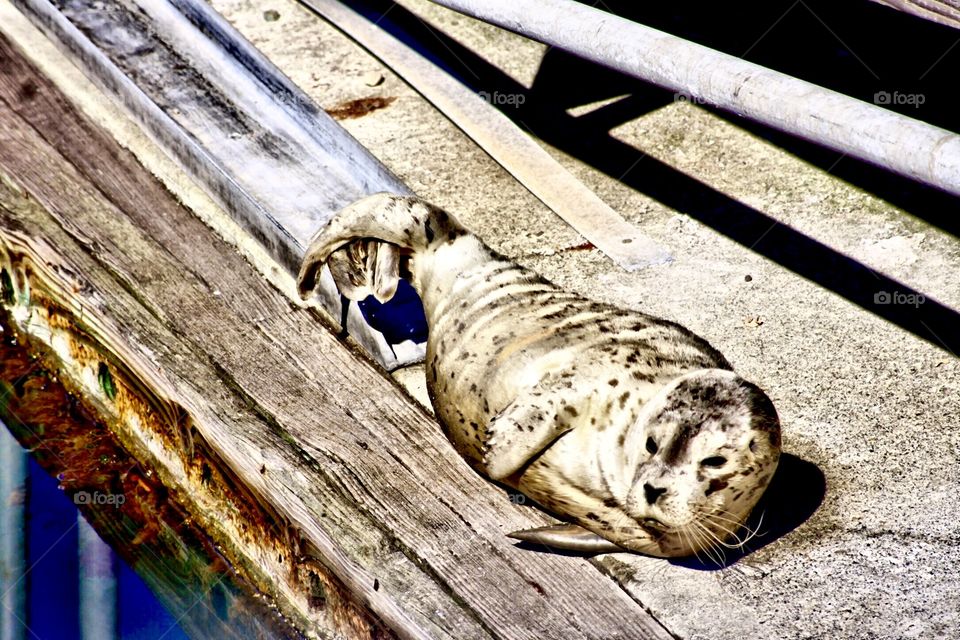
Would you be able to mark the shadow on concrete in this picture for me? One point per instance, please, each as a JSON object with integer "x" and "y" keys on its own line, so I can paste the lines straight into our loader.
{"x": 807, "y": 41}
{"x": 858, "y": 48}
{"x": 796, "y": 491}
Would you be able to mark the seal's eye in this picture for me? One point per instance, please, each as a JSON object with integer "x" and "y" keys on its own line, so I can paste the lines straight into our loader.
{"x": 713, "y": 461}
{"x": 651, "y": 446}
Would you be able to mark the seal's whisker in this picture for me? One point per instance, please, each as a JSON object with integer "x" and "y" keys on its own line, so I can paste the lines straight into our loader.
{"x": 690, "y": 541}
{"x": 731, "y": 534}
{"x": 713, "y": 551}
{"x": 698, "y": 542}
{"x": 740, "y": 542}
{"x": 722, "y": 515}
{"x": 756, "y": 530}
{"x": 716, "y": 543}
{"x": 718, "y": 516}
{"x": 750, "y": 533}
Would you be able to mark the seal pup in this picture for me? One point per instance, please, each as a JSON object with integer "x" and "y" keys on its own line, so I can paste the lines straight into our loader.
{"x": 631, "y": 427}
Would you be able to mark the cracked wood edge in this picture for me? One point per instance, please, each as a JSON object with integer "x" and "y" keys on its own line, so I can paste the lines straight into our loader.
{"x": 124, "y": 500}
{"x": 57, "y": 313}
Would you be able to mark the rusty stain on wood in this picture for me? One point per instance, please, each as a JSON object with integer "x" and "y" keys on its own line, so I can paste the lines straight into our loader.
{"x": 154, "y": 533}
{"x": 359, "y": 107}
{"x": 127, "y": 504}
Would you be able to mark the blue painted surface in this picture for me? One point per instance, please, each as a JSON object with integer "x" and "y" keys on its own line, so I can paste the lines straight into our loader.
{"x": 53, "y": 595}
{"x": 52, "y": 579}
{"x": 400, "y": 319}
{"x": 139, "y": 614}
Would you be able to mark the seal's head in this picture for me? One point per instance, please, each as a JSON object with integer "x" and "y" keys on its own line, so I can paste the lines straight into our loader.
{"x": 692, "y": 466}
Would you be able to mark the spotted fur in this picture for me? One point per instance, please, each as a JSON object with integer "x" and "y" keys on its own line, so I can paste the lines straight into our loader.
{"x": 628, "y": 425}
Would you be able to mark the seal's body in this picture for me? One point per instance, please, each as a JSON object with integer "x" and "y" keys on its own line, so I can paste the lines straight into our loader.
{"x": 630, "y": 426}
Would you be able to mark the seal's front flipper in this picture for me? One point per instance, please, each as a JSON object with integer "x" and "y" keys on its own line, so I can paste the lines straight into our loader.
{"x": 528, "y": 425}
{"x": 569, "y": 537}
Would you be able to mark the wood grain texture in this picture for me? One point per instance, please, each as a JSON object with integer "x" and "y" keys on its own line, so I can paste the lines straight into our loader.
{"x": 229, "y": 118}
{"x": 129, "y": 507}
{"x": 942, "y": 11}
{"x": 332, "y": 491}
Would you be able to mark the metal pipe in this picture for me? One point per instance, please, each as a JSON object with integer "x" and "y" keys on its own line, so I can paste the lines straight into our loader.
{"x": 13, "y": 536}
{"x": 892, "y": 141}
{"x": 98, "y": 585}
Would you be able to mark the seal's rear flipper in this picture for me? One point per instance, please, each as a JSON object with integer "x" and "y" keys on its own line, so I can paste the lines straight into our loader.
{"x": 364, "y": 268}
{"x": 382, "y": 223}
{"x": 569, "y": 537}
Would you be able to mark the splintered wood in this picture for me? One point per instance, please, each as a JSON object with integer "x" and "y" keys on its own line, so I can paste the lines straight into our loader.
{"x": 326, "y": 492}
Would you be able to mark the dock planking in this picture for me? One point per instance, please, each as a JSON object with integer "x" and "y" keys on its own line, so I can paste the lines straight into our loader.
{"x": 333, "y": 495}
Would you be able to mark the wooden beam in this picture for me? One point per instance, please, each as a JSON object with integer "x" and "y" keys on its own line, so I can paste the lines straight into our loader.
{"x": 326, "y": 488}
{"x": 124, "y": 501}
{"x": 277, "y": 164}
{"x": 945, "y": 12}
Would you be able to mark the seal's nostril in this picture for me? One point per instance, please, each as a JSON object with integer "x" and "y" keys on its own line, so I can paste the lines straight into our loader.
{"x": 652, "y": 493}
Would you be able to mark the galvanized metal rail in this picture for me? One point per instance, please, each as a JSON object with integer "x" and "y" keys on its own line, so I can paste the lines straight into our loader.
{"x": 898, "y": 143}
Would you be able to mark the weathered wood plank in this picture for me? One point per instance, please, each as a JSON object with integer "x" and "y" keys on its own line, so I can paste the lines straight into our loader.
{"x": 942, "y": 11}
{"x": 311, "y": 470}
{"x": 129, "y": 507}
{"x": 180, "y": 444}
{"x": 230, "y": 118}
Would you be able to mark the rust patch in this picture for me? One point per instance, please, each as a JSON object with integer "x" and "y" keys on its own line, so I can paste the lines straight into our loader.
{"x": 360, "y": 107}
{"x": 586, "y": 246}
{"x": 125, "y": 502}
{"x": 79, "y": 440}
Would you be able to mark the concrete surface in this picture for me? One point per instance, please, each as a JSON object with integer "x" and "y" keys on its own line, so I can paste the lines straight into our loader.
{"x": 873, "y": 406}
